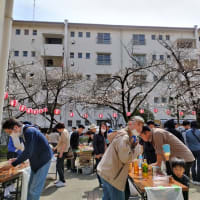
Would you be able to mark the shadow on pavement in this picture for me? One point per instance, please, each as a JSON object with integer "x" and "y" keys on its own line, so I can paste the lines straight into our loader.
{"x": 95, "y": 194}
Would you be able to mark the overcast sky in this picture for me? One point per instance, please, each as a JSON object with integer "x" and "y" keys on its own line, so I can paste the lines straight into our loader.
{"x": 183, "y": 13}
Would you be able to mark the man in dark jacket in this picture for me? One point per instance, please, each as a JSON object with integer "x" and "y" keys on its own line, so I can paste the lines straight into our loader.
{"x": 38, "y": 152}
{"x": 170, "y": 127}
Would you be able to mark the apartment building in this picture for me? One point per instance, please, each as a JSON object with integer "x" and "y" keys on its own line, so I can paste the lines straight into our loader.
{"x": 96, "y": 51}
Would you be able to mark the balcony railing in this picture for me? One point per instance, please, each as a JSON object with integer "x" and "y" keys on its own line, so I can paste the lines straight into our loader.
{"x": 104, "y": 62}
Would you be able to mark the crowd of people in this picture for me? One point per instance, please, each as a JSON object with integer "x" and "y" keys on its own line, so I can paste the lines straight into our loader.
{"x": 113, "y": 151}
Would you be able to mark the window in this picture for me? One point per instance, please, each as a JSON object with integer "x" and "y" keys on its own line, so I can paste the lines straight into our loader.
{"x": 87, "y": 55}
{"x": 167, "y": 37}
{"x": 160, "y": 37}
{"x": 186, "y": 43}
{"x": 168, "y": 56}
{"x": 87, "y": 123}
{"x": 88, "y": 77}
{"x": 78, "y": 122}
{"x": 53, "y": 40}
{"x": 138, "y": 39}
{"x": 162, "y": 57}
{"x": 79, "y": 55}
{"x": 80, "y": 34}
{"x": 26, "y": 32}
{"x": 16, "y": 53}
{"x": 33, "y": 53}
{"x": 49, "y": 62}
{"x": 103, "y": 59}
{"x": 103, "y": 80}
{"x": 153, "y": 37}
{"x": 140, "y": 59}
{"x": 103, "y": 38}
{"x": 25, "y": 53}
{"x": 69, "y": 123}
{"x": 71, "y": 54}
{"x": 18, "y": 32}
{"x": 164, "y": 100}
{"x": 156, "y": 100}
{"x": 87, "y": 34}
{"x": 153, "y": 57}
{"x": 139, "y": 79}
{"x": 34, "y": 32}
{"x": 72, "y": 34}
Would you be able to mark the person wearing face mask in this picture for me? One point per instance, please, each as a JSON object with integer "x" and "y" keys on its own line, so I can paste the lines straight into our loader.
{"x": 113, "y": 167}
{"x": 36, "y": 149}
{"x": 99, "y": 145}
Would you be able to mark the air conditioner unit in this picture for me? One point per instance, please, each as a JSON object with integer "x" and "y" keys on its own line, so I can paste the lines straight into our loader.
{"x": 72, "y": 63}
{"x": 73, "y": 42}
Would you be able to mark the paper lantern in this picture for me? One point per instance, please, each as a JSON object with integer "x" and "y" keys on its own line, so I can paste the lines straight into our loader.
{"x": 128, "y": 114}
{"x": 193, "y": 112}
{"x": 57, "y": 111}
{"x": 141, "y": 111}
{"x": 168, "y": 112}
{"x": 22, "y": 108}
{"x": 40, "y": 111}
{"x": 14, "y": 103}
{"x": 45, "y": 110}
{"x": 115, "y": 115}
{"x": 29, "y": 110}
{"x": 181, "y": 113}
{"x": 71, "y": 114}
{"x": 85, "y": 115}
{"x": 155, "y": 110}
{"x": 100, "y": 115}
{"x": 35, "y": 111}
{"x": 6, "y": 95}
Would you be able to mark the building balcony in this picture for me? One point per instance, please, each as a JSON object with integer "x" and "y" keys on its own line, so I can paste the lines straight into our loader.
{"x": 52, "y": 50}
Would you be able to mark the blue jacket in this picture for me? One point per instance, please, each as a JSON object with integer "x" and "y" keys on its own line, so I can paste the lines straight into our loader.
{"x": 192, "y": 142}
{"x": 11, "y": 147}
{"x": 37, "y": 149}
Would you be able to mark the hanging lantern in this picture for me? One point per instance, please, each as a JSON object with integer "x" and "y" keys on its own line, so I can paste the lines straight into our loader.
{"x": 6, "y": 95}
{"x": 45, "y": 110}
{"x": 168, "y": 112}
{"x": 71, "y": 114}
{"x": 40, "y": 111}
{"x": 115, "y": 115}
{"x": 35, "y": 111}
{"x": 100, "y": 115}
{"x": 57, "y": 111}
{"x": 193, "y": 112}
{"x": 29, "y": 110}
{"x": 14, "y": 103}
{"x": 128, "y": 114}
{"x": 22, "y": 108}
{"x": 141, "y": 111}
{"x": 181, "y": 113}
{"x": 155, "y": 110}
{"x": 85, "y": 116}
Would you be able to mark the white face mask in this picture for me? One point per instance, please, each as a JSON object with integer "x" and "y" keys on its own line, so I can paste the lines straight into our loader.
{"x": 134, "y": 132}
{"x": 103, "y": 130}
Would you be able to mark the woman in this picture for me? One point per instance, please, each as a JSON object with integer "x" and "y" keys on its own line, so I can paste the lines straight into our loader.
{"x": 99, "y": 145}
{"x": 62, "y": 149}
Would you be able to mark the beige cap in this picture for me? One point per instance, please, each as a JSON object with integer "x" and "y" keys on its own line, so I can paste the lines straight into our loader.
{"x": 93, "y": 126}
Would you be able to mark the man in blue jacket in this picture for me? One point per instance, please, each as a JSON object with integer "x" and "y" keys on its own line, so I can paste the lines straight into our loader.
{"x": 36, "y": 149}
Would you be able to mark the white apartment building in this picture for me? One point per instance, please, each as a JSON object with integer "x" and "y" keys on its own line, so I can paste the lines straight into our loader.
{"x": 94, "y": 50}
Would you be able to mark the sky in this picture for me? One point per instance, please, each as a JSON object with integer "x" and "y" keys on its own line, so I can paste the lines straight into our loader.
{"x": 181, "y": 13}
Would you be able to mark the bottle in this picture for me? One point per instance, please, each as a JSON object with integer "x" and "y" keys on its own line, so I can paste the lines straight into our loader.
{"x": 140, "y": 161}
{"x": 136, "y": 167}
{"x": 145, "y": 169}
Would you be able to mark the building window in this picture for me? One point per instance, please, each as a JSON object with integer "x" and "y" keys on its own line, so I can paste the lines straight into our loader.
{"x": 71, "y": 54}
{"x": 156, "y": 100}
{"x": 25, "y": 53}
{"x": 162, "y": 57}
{"x": 69, "y": 123}
{"x": 26, "y": 32}
{"x": 34, "y": 32}
{"x": 49, "y": 62}
{"x": 87, "y": 34}
{"x": 103, "y": 38}
{"x": 53, "y": 40}
{"x": 160, "y": 37}
{"x": 80, "y": 34}
{"x": 78, "y": 122}
{"x": 103, "y": 59}
{"x": 87, "y": 55}
{"x": 88, "y": 77}
{"x": 168, "y": 56}
{"x": 140, "y": 59}
{"x": 87, "y": 123}
{"x": 18, "y": 32}
{"x": 153, "y": 37}
{"x": 16, "y": 53}
{"x": 138, "y": 39}
{"x": 103, "y": 80}
{"x": 186, "y": 43}
{"x": 153, "y": 57}
{"x": 167, "y": 37}
{"x": 72, "y": 34}
{"x": 164, "y": 100}
{"x": 33, "y": 53}
{"x": 79, "y": 55}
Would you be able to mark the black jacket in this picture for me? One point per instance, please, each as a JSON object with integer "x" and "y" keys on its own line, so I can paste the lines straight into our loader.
{"x": 99, "y": 144}
{"x": 74, "y": 140}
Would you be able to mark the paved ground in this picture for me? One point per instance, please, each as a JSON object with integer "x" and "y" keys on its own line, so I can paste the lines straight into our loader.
{"x": 85, "y": 187}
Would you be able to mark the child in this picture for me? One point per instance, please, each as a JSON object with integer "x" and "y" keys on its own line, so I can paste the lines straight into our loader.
{"x": 178, "y": 169}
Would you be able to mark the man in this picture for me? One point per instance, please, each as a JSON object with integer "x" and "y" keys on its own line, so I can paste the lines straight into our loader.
{"x": 158, "y": 137}
{"x": 91, "y": 132}
{"x": 74, "y": 143}
{"x": 113, "y": 167}
{"x": 109, "y": 129}
{"x": 182, "y": 129}
{"x": 73, "y": 129}
{"x": 36, "y": 149}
